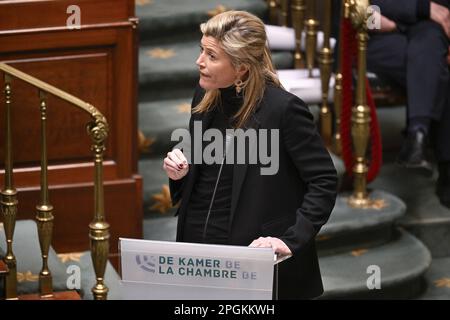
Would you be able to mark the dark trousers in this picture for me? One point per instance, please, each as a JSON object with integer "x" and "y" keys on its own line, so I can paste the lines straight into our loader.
{"x": 416, "y": 61}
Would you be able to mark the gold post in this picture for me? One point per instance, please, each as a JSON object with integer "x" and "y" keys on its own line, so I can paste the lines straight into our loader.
{"x": 326, "y": 62}
{"x": 360, "y": 112}
{"x": 284, "y": 12}
{"x": 44, "y": 214}
{"x": 273, "y": 11}
{"x": 337, "y": 143}
{"x": 312, "y": 24}
{"x": 298, "y": 23}
{"x": 9, "y": 199}
{"x": 99, "y": 228}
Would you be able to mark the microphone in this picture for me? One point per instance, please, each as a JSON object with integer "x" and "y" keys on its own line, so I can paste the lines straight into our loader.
{"x": 228, "y": 142}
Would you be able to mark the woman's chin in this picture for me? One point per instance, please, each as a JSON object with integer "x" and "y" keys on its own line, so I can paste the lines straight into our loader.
{"x": 205, "y": 85}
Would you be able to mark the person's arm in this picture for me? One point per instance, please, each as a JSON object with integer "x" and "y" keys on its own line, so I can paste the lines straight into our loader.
{"x": 404, "y": 11}
{"x": 316, "y": 169}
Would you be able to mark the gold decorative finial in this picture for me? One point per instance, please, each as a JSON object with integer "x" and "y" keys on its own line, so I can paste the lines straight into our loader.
{"x": 358, "y": 13}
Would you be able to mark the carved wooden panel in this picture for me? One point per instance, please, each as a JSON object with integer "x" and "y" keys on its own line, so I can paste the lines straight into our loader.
{"x": 98, "y": 64}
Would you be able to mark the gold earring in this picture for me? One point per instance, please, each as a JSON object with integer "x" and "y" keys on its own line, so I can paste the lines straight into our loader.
{"x": 238, "y": 83}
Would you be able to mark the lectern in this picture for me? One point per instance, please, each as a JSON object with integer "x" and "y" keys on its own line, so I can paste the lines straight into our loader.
{"x": 187, "y": 271}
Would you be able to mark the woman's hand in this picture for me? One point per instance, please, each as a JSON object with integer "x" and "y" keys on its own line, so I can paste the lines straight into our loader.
{"x": 387, "y": 25}
{"x": 175, "y": 164}
{"x": 278, "y": 246}
{"x": 441, "y": 15}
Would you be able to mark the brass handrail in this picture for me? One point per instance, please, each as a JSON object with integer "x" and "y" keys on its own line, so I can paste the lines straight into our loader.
{"x": 47, "y": 88}
{"x": 99, "y": 228}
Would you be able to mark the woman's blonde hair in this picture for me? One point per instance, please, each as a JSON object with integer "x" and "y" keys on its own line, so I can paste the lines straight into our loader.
{"x": 243, "y": 38}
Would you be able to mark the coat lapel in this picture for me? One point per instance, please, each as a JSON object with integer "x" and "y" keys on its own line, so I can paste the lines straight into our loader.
{"x": 240, "y": 170}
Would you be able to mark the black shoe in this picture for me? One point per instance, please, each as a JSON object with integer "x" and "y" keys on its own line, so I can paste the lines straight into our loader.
{"x": 413, "y": 154}
{"x": 443, "y": 184}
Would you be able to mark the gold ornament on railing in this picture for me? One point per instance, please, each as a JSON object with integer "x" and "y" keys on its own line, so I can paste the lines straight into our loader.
{"x": 312, "y": 25}
{"x": 273, "y": 11}
{"x": 337, "y": 142}
{"x": 9, "y": 199}
{"x": 284, "y": 13}
{"x": 99, "y": 228}
{"x": 298, "y": 24}
{"x": 325, "y": 63}
{"x": 361, "y": 111}
{"x": 44, "y": 214}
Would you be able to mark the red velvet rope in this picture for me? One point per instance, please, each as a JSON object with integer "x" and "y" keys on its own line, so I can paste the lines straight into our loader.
{"x": 348, "y": 56}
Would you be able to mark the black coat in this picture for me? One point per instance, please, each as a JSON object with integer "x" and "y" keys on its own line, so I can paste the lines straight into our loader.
{"x": 292, "y": 204}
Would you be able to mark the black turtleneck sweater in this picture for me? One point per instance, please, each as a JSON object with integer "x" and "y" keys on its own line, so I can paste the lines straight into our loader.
{"x": 217, "y": 228}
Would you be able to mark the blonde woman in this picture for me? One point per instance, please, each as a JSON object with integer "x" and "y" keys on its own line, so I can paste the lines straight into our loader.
{"x": 236, "y": 203}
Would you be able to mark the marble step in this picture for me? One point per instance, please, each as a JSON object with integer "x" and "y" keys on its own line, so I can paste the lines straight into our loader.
{"x": 155, "y": 184}
{"x": 400, "y": 263}
{"x": 425, "y": 217}
{"x": 161, "y": 18}
{"x": 168, "y": 71}
{"x": 157, "y": 121}
{"x": 437, "y": 280}
{"x": 352, "y": 228}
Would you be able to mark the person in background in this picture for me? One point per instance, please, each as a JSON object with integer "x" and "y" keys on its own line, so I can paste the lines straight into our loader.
{"x": 412, "y": 49}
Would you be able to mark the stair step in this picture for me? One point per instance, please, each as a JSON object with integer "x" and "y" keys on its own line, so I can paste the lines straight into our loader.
{"x": 349, "y": 228}
{"x": 161, "y": 18}
{"x": 438, "y": 280}
{"x": 402, "y": 264}
{"x": 162, "y": 228}
{"x": 157, "y": 121}
{"x": 60, "y": 295}
{"x": 155, "y": 180}
{"x": 167, "y": 70}
{"x": 83, "y": 260}
{"x": 425, "y": 217}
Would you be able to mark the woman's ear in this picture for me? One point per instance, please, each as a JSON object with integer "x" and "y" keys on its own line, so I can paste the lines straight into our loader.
{"x": 241, "y": 71}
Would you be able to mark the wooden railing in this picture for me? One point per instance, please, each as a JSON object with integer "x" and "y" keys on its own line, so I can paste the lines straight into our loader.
{"x": 99, "y": 228}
